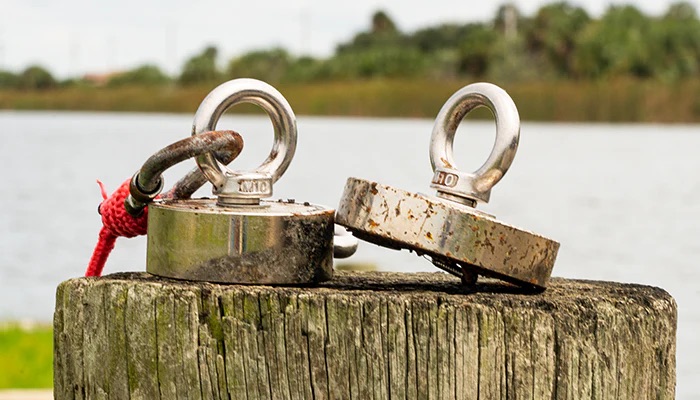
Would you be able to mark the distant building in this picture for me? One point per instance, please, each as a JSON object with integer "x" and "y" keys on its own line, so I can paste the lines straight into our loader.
{"x": 102, "y": 79}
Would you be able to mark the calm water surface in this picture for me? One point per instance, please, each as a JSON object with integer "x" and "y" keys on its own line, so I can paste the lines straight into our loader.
{"x": 623, "y": 200}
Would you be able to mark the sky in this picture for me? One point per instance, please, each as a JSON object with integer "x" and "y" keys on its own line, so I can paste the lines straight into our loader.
{"x": 74, "y": 37}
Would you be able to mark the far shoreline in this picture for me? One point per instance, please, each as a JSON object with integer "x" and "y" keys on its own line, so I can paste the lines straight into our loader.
{"x": 617, "y": 101}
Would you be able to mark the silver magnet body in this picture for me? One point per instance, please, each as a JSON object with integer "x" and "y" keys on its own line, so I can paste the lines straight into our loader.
{"x": 441, "y": 228}
{"x": 271, "y": 243}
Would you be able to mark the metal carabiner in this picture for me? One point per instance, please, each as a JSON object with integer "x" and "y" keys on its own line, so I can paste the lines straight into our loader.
{"x": 147, "y": 183}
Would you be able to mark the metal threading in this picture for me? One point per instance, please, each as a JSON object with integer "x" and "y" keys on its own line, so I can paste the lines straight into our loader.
{"x": 447, "y": 265}
{"x": 457, "y": 199}
{"x": 467, "y": 274}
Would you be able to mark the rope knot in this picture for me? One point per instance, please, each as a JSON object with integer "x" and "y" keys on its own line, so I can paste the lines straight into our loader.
{"x": 116, "y": 221}
{"x": 115, "y": 218}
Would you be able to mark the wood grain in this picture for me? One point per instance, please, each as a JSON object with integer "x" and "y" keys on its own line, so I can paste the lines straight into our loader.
{"x": 361, "y": 336}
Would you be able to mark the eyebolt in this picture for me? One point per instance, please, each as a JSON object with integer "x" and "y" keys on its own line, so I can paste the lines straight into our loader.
{"x": 236, "y": 187}
{"x": 474, "y": 186}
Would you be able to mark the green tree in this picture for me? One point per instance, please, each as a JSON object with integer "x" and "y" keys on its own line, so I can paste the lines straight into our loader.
{"x": 620, "y": 43}
{"x": 383, "y": 33}
{"x": 503, "y": 54}
{"x": 306, "y": 69}
{"x": 382, "y": 24}
{"x": 36, "y": 78}
{"x": 553, "y": 32}
{"x": 268, "y": 65}
{"x": 8, "y": 80}
{"x": 376, "y": 62}
{"x": 441, "y": 37}
{"x": 681, "y": 11}
{"x": 383, "y": 51}
{"x": 677, "y": 43}
{"x": 145, "y": 75}
{"x": 201, "y": 67}
{"x": 476, "y": 50}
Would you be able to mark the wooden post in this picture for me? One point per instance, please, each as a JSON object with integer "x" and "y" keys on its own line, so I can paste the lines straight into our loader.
{"x": 361, "y": 336}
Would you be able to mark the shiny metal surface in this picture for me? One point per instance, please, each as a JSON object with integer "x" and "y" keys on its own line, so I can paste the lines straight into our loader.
{"x": 456, "y": 237}
{"x": 185, "y": 187}
{"x": 147, "y": 182}
{"x": 236, "y": 187}
{"x": 476, "y": 186}
{"x": 239, "y": 237}
{"x": 278, "y": 243}
{"x": 344, "y": 244}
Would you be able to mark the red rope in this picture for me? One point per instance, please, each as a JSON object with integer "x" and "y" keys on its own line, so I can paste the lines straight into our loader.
{"x": 115, "y": 222}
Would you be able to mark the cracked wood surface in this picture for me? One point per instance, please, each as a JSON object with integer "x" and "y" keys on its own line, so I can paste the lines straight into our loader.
{"x": 361, "y": 336}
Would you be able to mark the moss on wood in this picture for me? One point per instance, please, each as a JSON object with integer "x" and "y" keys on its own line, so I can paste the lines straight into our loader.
{"x": 362, "y": 336}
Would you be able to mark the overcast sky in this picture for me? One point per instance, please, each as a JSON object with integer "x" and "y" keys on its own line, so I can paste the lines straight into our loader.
{"x": 74, "y": 37}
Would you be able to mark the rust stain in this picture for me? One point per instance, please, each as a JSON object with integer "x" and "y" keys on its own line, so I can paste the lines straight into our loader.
{"x": 373, "y": 188}
{"x": 487, "y": 243}
{"x": 447, "y": 163}
{"x": 474, "y": 228}
{"x": 429, "y": 235}
{"x": 373, "y": 223}
{"x": 527, "y": 251}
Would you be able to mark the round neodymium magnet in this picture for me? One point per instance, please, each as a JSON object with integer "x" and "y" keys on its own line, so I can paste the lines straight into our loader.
{"x": 279, "y": 243}
{"x": 240, "y": 237}
{"x": 446, "y": 231}
{"x": 448, "y": 228}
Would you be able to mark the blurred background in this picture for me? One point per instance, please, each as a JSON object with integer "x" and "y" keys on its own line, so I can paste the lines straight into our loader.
{"x": 608, "y": 92}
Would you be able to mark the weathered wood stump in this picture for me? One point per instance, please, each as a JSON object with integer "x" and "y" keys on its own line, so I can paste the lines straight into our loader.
{"x": 362, "y": 336}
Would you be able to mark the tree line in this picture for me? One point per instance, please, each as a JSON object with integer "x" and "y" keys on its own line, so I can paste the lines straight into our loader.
{"x": 560, "y": 41}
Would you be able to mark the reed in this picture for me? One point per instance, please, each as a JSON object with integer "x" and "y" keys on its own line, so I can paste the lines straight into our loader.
{"x": 621, "y": 100}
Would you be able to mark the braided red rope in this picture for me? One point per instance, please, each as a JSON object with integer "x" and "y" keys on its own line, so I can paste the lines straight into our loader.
{"x": 115, "y": 222}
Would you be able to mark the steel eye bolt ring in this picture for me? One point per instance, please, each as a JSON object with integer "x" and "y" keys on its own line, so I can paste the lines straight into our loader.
{"x": 457, "y": 237}
{"x": 228, "y": 183}
{"x": 476, "y": 186}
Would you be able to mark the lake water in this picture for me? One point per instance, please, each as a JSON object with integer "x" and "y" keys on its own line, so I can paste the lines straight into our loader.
{"x": 623, "y": 200}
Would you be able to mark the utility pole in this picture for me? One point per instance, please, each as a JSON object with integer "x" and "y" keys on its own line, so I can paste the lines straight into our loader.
{"x": 510, "y": 21}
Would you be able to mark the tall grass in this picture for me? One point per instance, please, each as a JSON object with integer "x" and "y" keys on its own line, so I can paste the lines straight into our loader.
{"x": 621, "y": 100}
{"x": 26, "y": 356}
